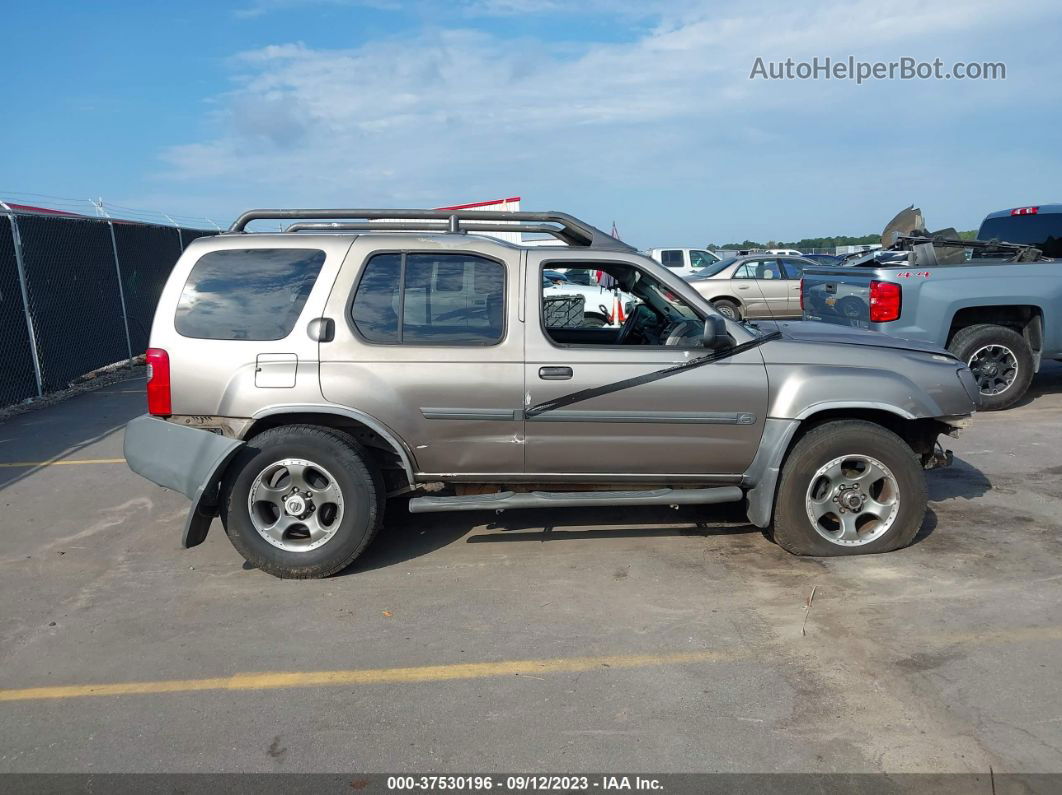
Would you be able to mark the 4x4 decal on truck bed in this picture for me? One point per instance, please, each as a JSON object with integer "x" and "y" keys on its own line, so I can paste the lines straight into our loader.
{"x": 648, "y": 378}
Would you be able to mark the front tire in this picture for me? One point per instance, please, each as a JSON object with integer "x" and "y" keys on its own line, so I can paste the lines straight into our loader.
{"x": 302, "y": 501}
{"x": 1001, "y": 361}
{"x": 727, "y": 309}
{"x": 849, "y": 487}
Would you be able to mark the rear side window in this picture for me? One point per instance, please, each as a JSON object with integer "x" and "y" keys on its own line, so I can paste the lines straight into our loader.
{"x": 247, "y": 294}
{"x": 430, "y": 299}
{"x": 671, "y": 258}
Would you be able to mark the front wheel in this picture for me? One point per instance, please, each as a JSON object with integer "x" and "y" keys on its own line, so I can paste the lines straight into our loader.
{"x": 849, "y": 487}
{"x": 727, "y": 309}
{"x": 302, "y": 501}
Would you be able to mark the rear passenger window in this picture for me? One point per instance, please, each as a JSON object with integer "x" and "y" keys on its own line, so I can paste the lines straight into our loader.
{"x": 247, "y": 294}
{"x": 430, "y": 299}
{"x": 671, "y": 259}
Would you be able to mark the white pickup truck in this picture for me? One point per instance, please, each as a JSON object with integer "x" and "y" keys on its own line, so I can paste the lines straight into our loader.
{"x": 683, "y": 261}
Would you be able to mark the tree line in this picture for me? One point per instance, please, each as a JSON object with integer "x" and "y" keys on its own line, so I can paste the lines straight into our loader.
{"x": 818, "y": 242}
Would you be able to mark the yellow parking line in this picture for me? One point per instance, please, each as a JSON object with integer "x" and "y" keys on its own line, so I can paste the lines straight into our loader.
{"x": 64, "y": 462}
{"x": 372, "y": 676}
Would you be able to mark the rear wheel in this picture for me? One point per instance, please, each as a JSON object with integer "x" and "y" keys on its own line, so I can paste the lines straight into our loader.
{"x": 302, "y": 501}
{"x": 849, "y": 487}
{"x": 1001, "y": 361}
{"x": 727, "y": 309}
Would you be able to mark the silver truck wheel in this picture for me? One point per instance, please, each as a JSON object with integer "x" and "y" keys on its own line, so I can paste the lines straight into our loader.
{"x": 295, "y": 504}
{"x": 849, "y": 487}
{"x": 852, "y": 500}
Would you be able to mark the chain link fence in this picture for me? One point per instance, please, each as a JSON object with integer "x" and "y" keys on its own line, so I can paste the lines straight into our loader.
{"x": 77, "y": 294}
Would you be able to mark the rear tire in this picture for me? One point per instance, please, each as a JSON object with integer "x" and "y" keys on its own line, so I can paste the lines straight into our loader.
{"x": 821, "y": 477}
{"x": 1001, "y": 360}
{"x": 322, "y": 539}
{"x": 727, "y": 309}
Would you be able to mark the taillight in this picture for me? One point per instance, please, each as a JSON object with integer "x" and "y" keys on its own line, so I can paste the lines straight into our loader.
{"x": 1025, "y": 211}
{"x": 158, "y": 382}
{"x": 884, "y": 302}
{"x": 801, "y": 293}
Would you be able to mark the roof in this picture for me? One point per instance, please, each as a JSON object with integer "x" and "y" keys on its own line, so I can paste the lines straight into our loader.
{"x": 1041, "y": 209}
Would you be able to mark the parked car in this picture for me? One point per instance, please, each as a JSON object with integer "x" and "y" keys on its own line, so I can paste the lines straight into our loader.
{"x": 297, "y": 380}
{"x": 556, "y": 277}
{"x": 824, "y": 259}
{"x": 1000, "y": 312}
{"x": 757, "y": 286}
{"x": 784, "y": 252}
{"x": 684, "y": 261}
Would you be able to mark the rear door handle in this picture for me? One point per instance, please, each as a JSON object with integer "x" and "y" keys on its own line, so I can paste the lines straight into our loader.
{"x": 555, "y": 373}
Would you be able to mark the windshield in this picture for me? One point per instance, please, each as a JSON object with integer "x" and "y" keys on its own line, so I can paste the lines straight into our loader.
{"x": 702, "y": 259}
{"x": 708, "y": 271}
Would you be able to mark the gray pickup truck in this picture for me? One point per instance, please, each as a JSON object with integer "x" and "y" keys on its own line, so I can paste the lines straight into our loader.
{"x": 298, "y": 380}
{"x": 1000, "y": 310}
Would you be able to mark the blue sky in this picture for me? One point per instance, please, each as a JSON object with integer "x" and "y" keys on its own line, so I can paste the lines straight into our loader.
{"x": 638, "y": 112}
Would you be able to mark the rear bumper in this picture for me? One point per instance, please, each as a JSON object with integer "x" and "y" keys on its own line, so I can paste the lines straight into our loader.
{"x": 188, "y": 460}
{"x": 174, "y": 456}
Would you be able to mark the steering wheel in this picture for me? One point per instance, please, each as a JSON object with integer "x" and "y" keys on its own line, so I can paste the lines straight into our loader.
{"x": 684, "y": 332}
{"x": 628, "y": 327}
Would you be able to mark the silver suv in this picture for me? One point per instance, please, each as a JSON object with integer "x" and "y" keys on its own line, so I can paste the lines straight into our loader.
{"x": 299, "y": 380}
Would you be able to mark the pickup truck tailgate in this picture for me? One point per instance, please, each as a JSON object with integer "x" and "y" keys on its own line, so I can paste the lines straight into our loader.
{"x": 837, "y": 295}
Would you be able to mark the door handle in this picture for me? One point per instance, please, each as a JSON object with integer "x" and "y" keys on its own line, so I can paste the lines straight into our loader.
{"x": 743, "y": 287}
{"x": 555, "y": 373}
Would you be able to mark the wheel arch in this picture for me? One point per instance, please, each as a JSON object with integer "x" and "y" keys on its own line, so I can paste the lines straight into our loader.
{"x": 726, "y": 297}
{"x": 780, "y": 436}
{"x": 370, "y": 432}
{"x": 1025, "y": 318}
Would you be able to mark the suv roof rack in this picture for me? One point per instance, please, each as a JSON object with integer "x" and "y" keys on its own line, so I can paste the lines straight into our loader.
{"x": 562, "y": 226}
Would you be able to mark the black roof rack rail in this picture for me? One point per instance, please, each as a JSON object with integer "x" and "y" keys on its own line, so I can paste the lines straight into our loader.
{"x": 561, "y": 225}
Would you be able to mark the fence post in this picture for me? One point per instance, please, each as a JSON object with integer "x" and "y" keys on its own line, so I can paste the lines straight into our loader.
{"x": 17, "y": 240}
{"x": 121, "y": 292}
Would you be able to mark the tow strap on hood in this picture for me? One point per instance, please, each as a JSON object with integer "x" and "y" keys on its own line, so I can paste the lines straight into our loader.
{"x": 648, "y": 378}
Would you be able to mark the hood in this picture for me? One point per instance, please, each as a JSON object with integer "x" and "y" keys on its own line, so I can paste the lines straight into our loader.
{"x": 815, "y": 331}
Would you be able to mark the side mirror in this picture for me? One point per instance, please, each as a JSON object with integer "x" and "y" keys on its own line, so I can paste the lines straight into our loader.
{"x": 715, "y": 333}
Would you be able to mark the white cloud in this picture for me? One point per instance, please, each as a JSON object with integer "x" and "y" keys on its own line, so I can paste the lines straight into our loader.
{"x": 460, "y": 114}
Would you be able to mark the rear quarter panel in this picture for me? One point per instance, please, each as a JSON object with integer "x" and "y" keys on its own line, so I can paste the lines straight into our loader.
{"x": 217, "y": 377}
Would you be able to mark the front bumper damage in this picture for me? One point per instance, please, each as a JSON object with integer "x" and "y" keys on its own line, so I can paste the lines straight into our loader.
{"x": 179, "y": 458}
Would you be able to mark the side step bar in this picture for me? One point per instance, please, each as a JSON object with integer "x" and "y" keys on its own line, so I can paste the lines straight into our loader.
{"x": 505, "y": 500}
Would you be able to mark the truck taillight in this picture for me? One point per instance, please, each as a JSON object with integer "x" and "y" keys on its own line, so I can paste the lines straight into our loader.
{"x": 884, "y": 302}
{"x": 158, "y": 382}
{"x": 801, "y": 293}
{"x": 1025, "y": 211}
